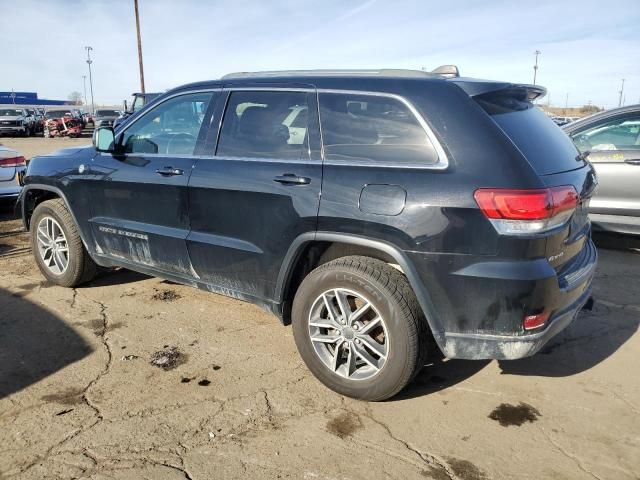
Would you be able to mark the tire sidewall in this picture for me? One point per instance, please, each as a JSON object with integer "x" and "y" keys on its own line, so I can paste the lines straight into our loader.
{"x": 399, "y": 359}
{"x": 75, "y": 254}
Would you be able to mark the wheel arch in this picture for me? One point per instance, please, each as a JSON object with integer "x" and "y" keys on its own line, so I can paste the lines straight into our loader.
{"x": 33, "y": 195}
{"x": 302, "y": 251}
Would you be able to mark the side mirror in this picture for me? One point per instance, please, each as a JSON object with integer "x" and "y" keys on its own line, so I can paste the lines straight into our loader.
{"x": 104, "y": 139}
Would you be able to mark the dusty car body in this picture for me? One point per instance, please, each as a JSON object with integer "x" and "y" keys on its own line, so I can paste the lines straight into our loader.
{"x": 380, "y": 213}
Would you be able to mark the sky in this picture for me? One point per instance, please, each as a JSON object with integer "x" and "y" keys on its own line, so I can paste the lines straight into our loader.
{"x": 587, "y": 47}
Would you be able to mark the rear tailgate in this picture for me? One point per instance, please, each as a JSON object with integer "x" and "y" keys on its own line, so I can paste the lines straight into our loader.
{"x": 553, "y": 156}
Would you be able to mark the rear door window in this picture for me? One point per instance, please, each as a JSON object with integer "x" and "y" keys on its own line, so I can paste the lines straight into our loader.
{"x": 547, "y": 148}
{"x": 263, "y": 124}
{"x": 374, "y": 129}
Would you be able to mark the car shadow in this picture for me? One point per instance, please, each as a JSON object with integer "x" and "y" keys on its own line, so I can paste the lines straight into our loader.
{"x": 439, "y": 374}
{"x": 592, "y": 338}
{"x": 34, "y": 343}
{"x": 116, "y": 276}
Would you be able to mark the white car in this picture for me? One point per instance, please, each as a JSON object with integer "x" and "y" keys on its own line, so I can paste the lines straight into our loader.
{"x": 13, "y": 166}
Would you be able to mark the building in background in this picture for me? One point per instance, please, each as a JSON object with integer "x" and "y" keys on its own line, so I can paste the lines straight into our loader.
{"x": 27, "y": 98}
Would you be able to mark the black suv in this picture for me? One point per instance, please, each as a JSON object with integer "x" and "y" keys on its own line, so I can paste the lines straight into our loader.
{"x": 379, "y": 212}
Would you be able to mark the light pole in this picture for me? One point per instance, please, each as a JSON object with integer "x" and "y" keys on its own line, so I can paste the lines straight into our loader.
{"x": 84, "y": 82}
{"x": 621, "y": 92}
{"x": 135, "y": 6}
{"x": 535, "y": 67}
{"x": 89, "y": 62}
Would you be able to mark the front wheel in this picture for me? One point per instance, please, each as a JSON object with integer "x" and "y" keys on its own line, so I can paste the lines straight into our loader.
{"x": 57, "y": 246}
{"x": 359, "y": 328}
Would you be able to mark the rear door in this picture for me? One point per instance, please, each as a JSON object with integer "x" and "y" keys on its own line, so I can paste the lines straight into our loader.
{"x": 614, "y": 146}
{"x": 257, "y": 191}
{"x": 139, "y": 199}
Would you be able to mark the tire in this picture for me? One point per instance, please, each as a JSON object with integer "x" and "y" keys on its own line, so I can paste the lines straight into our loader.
{"x": 404, "y": 328}
{"x": 80, "y": 267}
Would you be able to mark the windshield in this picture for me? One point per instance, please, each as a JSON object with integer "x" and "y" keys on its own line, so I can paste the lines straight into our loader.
{"x": 10, "y": 112}
{"x": 107, "y": 113}
{"x": 137, "y": 103}
{"x": 547, "y": 148}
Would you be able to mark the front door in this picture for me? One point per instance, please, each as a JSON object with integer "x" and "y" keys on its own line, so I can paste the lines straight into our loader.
{"x": 257, "y": 192}
{"x": 139, "y": 198}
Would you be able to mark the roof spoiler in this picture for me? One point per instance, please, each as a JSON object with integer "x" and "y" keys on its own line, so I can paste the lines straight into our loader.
{"x": 521, "y": 91}
{"x": 448, "y": 71}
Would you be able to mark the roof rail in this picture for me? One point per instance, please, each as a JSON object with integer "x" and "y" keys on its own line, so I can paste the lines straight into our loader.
{"x": 442, "y": 71}
{"x": 384, "y": 72}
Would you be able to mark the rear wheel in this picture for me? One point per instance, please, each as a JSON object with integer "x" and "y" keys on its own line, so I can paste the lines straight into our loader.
{"x": 57, "y": 246}
{"x": 359, "y": 328}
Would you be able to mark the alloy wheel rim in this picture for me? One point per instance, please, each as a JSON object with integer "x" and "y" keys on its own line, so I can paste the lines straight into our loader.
{"x": 52, "y": 245}
{"x": 348, "y": 334}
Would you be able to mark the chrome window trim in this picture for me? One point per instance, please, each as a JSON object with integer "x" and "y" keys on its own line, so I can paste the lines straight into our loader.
{"x": 231, "y": 89}
{"x": 177, "y": 94}
{"x": 441, "y": 164}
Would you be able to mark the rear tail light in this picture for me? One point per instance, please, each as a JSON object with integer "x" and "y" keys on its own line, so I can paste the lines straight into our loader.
{"x": 13, "y": 162}
{"x": 532, "y": 322}
{"x": 523, "y": 212}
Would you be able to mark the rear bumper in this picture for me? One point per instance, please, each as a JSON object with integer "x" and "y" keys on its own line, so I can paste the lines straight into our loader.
{"x": 510, "y": 347}
{"x": 478, "y": 306}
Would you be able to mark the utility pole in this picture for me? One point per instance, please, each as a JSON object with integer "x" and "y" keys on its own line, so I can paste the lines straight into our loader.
{"x": 135, "y": 5}
{"x": 535, "y": 67}
{"x": 84, "y": 81}
{"x": 89, "y": 62}
{"x": 621, "y": 92}
{"x": 566, "y": 101}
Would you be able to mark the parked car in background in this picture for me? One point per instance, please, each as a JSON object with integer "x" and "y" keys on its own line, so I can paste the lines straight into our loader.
{"x": 138, "y": 100}
{"x": 38, "y": 117}
{"x": 610, "y": 140}
{"x": 105, "y": 118}
{"x": 560, "y": 121}
{"x": 15, "y": 121}
{"x": 376, "y": 211}
{"x": 13, "y": 167}
{"x": 62, "y": 123}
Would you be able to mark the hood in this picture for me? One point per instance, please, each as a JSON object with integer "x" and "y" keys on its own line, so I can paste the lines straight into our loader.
{"x": 66, "y": 152}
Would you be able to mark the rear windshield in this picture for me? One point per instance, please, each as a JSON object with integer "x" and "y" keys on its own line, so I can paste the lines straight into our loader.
{"x": 107, "y": 113}
{"x": 546, "y": 146}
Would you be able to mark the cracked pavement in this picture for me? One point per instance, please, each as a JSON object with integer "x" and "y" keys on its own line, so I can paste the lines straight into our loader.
{"x": 79, "y": 397}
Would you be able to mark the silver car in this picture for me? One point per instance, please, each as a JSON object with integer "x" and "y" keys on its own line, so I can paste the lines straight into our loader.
{"x": 612, "y": 140}
{"x": 12, "y": 169}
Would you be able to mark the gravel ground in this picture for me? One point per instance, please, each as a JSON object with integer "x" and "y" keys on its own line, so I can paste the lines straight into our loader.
{"x": 132, "y": 377}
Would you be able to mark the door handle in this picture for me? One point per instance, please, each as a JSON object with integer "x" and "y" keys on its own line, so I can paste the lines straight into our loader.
{"x": 169, "y": 171}
{"x": 633, "y": 161}
{"x": 292, "y": 179}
